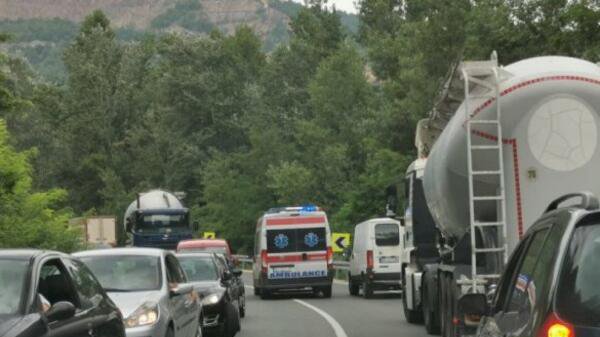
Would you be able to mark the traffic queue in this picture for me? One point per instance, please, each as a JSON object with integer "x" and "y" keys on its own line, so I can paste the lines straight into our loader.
{"x": 120, "y": 292}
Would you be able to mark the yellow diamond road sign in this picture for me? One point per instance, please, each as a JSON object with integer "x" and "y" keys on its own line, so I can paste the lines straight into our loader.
{"x": 209, "y": 235}
{"x": 341, "y": 241}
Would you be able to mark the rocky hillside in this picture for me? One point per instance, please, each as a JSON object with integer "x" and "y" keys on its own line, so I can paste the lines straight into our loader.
{"x": 191, "y": 15}
{"x": 40, "y": 28}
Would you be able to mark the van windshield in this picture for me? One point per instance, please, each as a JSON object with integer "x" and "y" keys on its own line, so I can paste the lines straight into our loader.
{"x": 578, "y": 298}
{"x": 387, "y": 234}
{"x": 296, "y": 240}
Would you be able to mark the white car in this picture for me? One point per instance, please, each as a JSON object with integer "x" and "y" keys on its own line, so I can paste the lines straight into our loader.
{"x": 375, "y": 259}
{"x": 151, "y": 290}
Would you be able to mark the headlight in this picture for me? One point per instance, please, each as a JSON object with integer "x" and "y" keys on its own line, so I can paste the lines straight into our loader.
{"x": 212, "y": 299}
{"x": 147, "y": 314}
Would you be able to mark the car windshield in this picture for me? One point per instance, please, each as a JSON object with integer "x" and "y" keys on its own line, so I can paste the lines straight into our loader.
{"x": 125, "y": 273}
{"x": 387, "y": 234}
{"x": 218, "y": 250}
{"x": 12, "y": 280}
{"x": 162, "y": 223}
{"x": 199, "y": 268}
{"x": 578, "y": 298}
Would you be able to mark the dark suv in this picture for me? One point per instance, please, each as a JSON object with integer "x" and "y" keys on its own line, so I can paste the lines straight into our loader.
{"x": 46, "y": 294}
{"x": 551, "y": 284}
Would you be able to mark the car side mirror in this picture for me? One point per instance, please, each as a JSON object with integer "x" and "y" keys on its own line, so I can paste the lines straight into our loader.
{"x": 237, "y": 272}
{"x": 181, "y": 289}
{"x": 60, "y": 311}
{"x": 347, "y": 253}
{"x": 227, "y": 276}
{"x": 472, "y": 307}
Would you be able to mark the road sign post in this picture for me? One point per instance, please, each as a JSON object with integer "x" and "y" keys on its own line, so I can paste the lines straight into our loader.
{"x": 341, "y": 241}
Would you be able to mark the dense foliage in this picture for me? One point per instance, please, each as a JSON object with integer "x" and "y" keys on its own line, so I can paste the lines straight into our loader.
{"x": 325, "y": 118}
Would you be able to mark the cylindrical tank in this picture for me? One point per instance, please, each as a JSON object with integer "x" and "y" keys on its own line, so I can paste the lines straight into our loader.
{"x": 550, "y": 120}
{"x": 153, "y": 200}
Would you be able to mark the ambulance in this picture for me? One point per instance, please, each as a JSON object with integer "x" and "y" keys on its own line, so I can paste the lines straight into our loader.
{"x": 292, "y": 251}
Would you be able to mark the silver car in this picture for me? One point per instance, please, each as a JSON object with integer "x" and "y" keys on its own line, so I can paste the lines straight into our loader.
{"x": 151, "y": 290}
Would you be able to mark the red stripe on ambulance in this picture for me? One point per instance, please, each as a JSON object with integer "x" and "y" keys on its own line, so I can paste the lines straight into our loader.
{"x": 296, "y": 258}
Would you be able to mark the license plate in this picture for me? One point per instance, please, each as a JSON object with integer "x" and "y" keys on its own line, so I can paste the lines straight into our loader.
{"x": 389, "y": 259}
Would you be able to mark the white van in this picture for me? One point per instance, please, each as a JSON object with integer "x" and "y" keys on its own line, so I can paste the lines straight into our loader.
{"x": 375, "y": 260}
{"x": 292, "y": 250}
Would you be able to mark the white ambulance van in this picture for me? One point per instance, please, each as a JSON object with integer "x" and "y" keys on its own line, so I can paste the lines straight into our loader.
{"x": 375, "y": 260}
{"x": 292, "y": 251}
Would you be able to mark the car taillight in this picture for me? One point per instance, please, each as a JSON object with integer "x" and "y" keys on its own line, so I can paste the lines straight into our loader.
{"x": 329, "y": 257}
{"x": 263, "y": 259}
{"x": 370, "y": 262}
{"x": 555, "y": 327}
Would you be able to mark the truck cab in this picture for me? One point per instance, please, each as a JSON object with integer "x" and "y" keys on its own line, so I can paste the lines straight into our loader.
{"x": 158, "y": 219}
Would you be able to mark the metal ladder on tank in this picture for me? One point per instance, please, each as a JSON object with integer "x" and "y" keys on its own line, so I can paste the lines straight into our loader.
{"x": 485, "y": 75}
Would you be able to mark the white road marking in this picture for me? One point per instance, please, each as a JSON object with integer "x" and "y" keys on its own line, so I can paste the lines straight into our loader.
{"x": 337, "y": 328}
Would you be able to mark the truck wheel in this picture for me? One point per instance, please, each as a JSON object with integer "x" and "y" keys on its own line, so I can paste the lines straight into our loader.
{"x": 412, "y": 316}
{"x": 432, "y": 324}
{"x": 353, "y": 288}
{"x": 448, "y": 328}
{"x": 265, "y": 294}
{"x": 242, "y": 306}
{"x": 367, "y": 289}
{"x": 443, "y": 300}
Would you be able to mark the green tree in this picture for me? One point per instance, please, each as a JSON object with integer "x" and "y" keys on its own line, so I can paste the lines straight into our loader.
{"x": 28, "y": 218}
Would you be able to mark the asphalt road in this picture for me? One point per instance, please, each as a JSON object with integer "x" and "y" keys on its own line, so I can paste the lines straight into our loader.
{"x": 306, "y": 316}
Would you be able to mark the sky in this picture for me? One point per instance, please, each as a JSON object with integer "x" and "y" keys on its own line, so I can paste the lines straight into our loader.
{"x": 345, "y": 5}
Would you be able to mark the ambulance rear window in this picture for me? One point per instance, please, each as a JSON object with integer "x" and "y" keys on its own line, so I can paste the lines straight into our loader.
{"x": 296, "y": 240}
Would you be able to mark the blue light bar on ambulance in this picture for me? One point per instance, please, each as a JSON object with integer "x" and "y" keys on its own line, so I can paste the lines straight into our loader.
{"x": 309, "y": 208}
{"x": 300, "y": 209}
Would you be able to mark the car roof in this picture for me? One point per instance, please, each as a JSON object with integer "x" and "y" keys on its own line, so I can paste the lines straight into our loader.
{"x": 382, "y": 220}
{"x": 202, "y": 243}
{"x": 122, "y": 251}
{"x": 197, "y": 254}
{"x": 25, "y": 253}
{"x": 285, "y": 214}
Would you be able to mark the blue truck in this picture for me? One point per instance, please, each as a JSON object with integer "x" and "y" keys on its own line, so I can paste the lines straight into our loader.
{"x": 158, "y": 219}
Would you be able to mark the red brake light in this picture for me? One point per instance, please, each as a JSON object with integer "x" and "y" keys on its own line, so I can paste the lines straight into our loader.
{"x": 370, "y": 261}
{"x": 329, "y": 257}
{"x": 555, "y": 327}
{"x": 263, "y": 259}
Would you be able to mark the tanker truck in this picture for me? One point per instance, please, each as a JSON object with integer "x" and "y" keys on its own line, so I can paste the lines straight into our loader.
{"x": 498, "y": 146}
{"x": 158, "y": 219}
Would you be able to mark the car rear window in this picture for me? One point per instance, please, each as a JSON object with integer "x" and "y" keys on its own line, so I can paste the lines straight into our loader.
{"x": 387, "y": 234}
{"x": 578, "y": 297}
{"x": 296, "y": 240}
{"x": 218, "y": 250}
